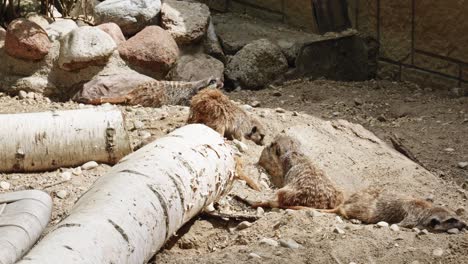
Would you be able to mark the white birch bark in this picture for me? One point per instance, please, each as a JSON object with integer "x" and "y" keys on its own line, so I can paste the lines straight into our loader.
{"x": 129, "y": 213}
{"x": 49, "y": 140}
{"x": 23, "y": 217}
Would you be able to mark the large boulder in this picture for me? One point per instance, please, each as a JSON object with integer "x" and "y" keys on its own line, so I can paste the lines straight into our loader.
{"x": 41, "y": 20}
{"x": 114, "y": 31}
{"x": 131, "y": 15}
{"x": 196, "y": 67}
{"x": 85, "y": 46}
{"x": 186, "y": 21}
{"x": 211, "y": 44}
{"x": 257, "y": 64}
{"x": 152, "y": 49}
{"x": 60, "y": 28}
{"x": 26, "y": 40}
{"x": 109, "y": 86}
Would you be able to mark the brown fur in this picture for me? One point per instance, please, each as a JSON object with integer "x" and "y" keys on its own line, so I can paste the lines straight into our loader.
{"x": 214, "y": 109}
{"x": 373, "y": 205}
{"x": 302, "y": 183}
{"x": 159, "y": 93}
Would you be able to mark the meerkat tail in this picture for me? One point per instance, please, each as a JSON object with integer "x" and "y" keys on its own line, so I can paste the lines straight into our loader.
{"x": 242, "y": 176}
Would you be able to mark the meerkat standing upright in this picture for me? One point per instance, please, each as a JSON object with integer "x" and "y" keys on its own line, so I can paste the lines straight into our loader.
{"x": 373, "y": 205}
{"x": 214, "y": 109}
{"x": 301, "y": 183}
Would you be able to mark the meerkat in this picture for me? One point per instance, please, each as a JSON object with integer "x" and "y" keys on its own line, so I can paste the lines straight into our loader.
{"x": 214, "y": 109}
{"x": 373, "y": 205}
{"x": 302, "y": 184}
{"x": 156, "y": 93}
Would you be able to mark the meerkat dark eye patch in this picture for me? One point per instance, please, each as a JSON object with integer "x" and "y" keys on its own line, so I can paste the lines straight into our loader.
{"x": 212, "y": 81}
{"x": 434, "y": 222}
{"x": 451, "y": 221}
{"x": 254, "y": 129}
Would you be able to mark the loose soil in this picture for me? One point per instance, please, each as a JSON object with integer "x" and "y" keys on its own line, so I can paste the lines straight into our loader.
{"x": 433, "y": 125}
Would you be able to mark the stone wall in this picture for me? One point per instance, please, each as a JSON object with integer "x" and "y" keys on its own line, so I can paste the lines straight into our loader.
{"x": 298, "y": 13}
{"x": 420, "y": 41}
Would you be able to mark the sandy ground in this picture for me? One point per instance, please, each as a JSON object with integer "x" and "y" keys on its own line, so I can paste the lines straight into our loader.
{"x": 433, "y": 125}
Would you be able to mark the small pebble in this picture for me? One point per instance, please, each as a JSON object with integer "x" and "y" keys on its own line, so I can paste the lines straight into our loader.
{"x": 255, "y": 104}
{"x": 210, "y": 208}
{"x": 449, "y": 150}
{"x": 338, "y": 230}
{"x": 5, "y": 185}
{"x": 241, "y": 146}
{"x": 253, "y": 255}
{"x": 438, "y": 252}
{"x": 339, "y": 220}
{"x": 269, "y": 241}
{"x": 382, "y": 224}
{"x": 356, "y": 221}
{"x": 277, "y": 93}
{"x": 243, "y": 225}
{"x": 137, "y": 124}
{"x": 463, "y": 164}
{"x": 289, "y": 243}
{"x": 336, "y": 113}
{"x": 62, "y": 194}
{"x": 144, "y": 134}
{"x": 395, "y": 228}
{"x": 247, "y": 107}
{"x": 77, "y": 171}
{"x": 314, "y": 213}
{"x": 280, "y": 110}
{"x": 260, "y": 211}
{"x": 357, "y": 101}
{"x": 417, "y": 230}
{"x": 66, "y": 175}
{"x": 89, "y": 165}
{"x": 22, "y": 94}
{"x": 453, "y": 231}
{"x": 424, "y": 232}
{"x": 295, "y": 113}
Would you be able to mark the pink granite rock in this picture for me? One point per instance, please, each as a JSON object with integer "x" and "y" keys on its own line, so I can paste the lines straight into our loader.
{"x": 26, "y": 40}
{"x": 114, "y": 31}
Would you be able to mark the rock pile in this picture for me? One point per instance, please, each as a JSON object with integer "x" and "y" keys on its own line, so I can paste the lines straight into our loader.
{"x": 173, "y": 40}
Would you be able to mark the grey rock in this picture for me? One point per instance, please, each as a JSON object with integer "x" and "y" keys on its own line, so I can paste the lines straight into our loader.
{"x": 131, "y": 15}
{"x": 185, "y": 21}
{"x": 5, "y": 185}
{"x": 382, "y": 224}
{"x": 254, "y": 256}
{"x": 453, "y": 231}
{"x": 62, "y": 194}
{"x": 60, "y": 28}
{"x": 438, "y": 252}
{"x": 269, "y": 241}
{"x": 257, "y": 64}
{"x": 89, "y": 165}
{"x": 463, "y": 164}
{"x": 338, "y": 230}
{"x": 243, "y": 225}
{"x": 290, "y": 243}
{"x": 394, "y": 228}
{"x": 196, "y": 67}
{"x": 137, "y": 124}
{"x": 85, "y": 46}
{"x": 66, "y": 175}
{"x": 211, "y": 44}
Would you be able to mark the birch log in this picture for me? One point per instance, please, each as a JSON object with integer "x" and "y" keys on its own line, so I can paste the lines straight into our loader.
{"x": 130, "y": 212}
{"x": 49, "y": 140}
{"x": 23, "y": 217}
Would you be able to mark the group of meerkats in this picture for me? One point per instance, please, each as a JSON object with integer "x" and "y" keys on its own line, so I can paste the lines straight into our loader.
{"x": 302, "y": 185}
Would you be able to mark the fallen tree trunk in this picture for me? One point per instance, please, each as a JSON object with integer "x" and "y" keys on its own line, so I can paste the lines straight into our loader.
{"x": 49, "y": 140}
{"x": 130, "y": 212}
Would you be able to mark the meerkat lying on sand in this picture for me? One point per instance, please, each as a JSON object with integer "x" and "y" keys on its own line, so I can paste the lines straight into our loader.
{"x": 373, "y": 205}
{"x": 301, "y": 183}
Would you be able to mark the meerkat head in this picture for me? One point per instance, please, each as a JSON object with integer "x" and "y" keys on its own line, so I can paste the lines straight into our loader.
{"x": 214, "y": 83}
{"x": 273, "y": 155}
{"x": 256, "y": 133}
{"x": 440, "y": 220}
